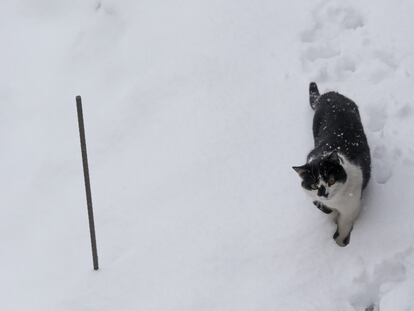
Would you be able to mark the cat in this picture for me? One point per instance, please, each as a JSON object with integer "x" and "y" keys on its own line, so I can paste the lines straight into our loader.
{"x": 338, "y": 169}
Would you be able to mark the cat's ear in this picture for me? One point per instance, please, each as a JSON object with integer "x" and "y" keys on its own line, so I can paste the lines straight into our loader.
{"x": 334, "y": 157}
{"x": 301, "y": 170}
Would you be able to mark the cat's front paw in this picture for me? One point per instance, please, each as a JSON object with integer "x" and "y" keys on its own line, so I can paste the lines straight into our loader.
{"x": 322, "y": 207}
{"x": 340, "y": 240}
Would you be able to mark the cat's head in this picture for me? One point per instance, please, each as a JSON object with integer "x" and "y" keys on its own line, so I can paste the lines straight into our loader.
{"x": 323, "y": 177}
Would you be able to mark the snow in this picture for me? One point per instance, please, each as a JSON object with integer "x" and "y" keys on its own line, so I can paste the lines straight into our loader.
{"x": 195, "y": 112}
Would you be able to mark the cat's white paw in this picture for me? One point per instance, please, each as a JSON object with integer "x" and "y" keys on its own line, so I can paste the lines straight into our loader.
{"x": 340, "y": 240}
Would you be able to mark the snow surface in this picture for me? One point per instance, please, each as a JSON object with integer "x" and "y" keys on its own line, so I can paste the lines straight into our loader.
{"x": 195, "y": 112}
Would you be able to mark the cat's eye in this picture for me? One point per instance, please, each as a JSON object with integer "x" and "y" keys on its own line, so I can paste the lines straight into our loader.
{"x": 314, "y": 186}
{"x": 331, "y": 181}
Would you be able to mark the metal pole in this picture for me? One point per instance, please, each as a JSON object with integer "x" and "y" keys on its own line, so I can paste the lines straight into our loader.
{"x": 87, "y": 182}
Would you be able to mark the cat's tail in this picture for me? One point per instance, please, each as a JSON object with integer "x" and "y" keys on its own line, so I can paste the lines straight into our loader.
{"x": 313, "y": 94}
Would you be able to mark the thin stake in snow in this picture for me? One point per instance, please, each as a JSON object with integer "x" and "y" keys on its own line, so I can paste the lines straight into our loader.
{"x": 87, "y": 182}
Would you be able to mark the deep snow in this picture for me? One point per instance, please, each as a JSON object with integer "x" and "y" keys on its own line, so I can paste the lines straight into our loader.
{"x": 195, "y": 112}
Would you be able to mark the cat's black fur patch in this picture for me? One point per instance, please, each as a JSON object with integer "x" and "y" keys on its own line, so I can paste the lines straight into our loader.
{"x": 337, "y": 127}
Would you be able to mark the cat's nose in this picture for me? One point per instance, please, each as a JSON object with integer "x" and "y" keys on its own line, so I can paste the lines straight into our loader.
{"x": 322, "y": 192}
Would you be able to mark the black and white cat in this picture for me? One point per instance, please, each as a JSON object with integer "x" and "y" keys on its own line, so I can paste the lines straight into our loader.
{"x": 339, "y": 167}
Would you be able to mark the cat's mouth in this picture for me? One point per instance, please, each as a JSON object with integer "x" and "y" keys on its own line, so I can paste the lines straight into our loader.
{"x": 322, "y": 192}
